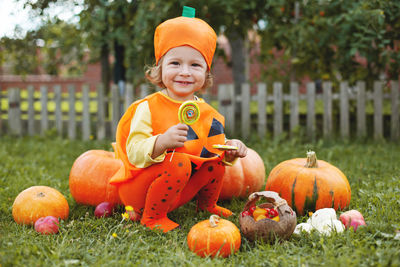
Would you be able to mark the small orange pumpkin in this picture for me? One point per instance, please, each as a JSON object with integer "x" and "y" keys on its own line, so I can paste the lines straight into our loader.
{"x": 89, "y": 176}
{"x": 39, "y": 201}
{"x": 308, "y": 184}
{"x": 214, "y": 237}
{"x": 246, "y": 176}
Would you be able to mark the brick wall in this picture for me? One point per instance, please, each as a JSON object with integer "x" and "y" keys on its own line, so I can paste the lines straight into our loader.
{"x": 92, "y": 77}
{"x": 221, "y": 71}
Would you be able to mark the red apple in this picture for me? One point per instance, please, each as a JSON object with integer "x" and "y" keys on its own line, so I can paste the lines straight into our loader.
{"x": 104, "y": 209}
{"x": 245, "y": 213}
{"x": 355, "y": 223}
{"x": 273, "y": 213}
{"x": 352, "y": 218}
{"x": 47, "y": 225}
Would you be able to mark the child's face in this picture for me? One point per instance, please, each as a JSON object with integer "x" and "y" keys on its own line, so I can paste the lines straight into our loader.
{"x": 183, "y": 72}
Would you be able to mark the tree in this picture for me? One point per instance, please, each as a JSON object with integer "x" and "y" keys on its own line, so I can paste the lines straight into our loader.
{"x": 332, "y": 37}
{"x": 55, "y": 44}
{"x": 19, "y": 52}
{"x": 111, "y": 28}
{"x": 103, "y": 26}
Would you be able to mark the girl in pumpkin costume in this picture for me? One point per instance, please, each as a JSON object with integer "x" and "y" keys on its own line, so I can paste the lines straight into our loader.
{"x": 167, "y": 163}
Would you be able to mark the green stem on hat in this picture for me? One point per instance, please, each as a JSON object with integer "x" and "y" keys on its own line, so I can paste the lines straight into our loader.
{"x": 188, "y": 12}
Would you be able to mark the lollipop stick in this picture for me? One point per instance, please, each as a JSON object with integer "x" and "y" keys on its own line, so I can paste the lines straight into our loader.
{"x": 172, "y": 155}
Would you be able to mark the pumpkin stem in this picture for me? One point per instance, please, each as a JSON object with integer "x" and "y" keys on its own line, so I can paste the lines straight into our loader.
{"x": 311, "y": 160}
{"x": 214, "y": 219}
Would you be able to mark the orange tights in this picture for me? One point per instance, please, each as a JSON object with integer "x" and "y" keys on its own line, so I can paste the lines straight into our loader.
{"x": 168, "y": 185}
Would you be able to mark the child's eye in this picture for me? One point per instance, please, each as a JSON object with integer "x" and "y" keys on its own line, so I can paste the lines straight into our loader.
{"x": 196, "y": 65}
{"x": 174, "y": 63}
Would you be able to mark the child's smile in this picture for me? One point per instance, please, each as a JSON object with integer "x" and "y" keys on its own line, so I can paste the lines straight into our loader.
{"x": 184, "y": 83}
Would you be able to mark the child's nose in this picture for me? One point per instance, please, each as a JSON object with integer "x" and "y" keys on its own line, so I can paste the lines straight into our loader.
{"x": 185, "y": 70}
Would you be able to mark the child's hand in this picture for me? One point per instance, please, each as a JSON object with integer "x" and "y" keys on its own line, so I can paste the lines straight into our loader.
{"x": 174, "y": 137}
{"x": 241, "y": 152}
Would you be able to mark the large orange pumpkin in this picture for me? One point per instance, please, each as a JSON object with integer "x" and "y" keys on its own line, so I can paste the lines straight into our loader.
{"x": 308, "y": 184}
{"x": 214, "y": 237}
{"x": 39, "y": 201}
{"x": 246, "y": 176}
{"x": 89, "y": 176}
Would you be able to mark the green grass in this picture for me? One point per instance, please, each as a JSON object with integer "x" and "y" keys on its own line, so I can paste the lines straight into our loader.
{"x": 372, "y": 168}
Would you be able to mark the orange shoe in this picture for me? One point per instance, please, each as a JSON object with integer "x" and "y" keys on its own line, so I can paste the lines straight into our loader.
{"x": 163, "y": 224}
{"x": 220, "y": 211}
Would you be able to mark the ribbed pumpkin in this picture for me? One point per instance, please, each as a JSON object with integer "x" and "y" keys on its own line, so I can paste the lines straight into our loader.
{"x": 39, "y": 201}
{"x": 89, "y": 176}
{"x": 214, "y": 237}
{"x": 308, "y": 184}
{"x": 246, "y": 176}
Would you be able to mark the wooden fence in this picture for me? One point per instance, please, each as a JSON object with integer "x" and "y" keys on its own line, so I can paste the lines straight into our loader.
{"x": 353, "y": 111}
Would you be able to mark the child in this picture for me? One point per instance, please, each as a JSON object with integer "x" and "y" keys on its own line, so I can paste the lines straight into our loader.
{"x": 167, "y": 163}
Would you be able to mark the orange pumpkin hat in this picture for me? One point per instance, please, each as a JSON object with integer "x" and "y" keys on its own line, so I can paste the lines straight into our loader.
{"x": 185, "y": 30}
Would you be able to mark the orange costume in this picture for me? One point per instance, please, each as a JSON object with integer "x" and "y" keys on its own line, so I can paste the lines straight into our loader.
{"x": 196, "y": 169}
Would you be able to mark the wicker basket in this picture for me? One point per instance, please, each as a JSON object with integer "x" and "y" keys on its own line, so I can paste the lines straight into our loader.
{"x": 267, "y": 229}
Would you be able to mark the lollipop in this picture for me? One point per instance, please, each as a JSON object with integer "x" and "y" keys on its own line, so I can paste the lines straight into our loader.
{"x": 189, "y": 112}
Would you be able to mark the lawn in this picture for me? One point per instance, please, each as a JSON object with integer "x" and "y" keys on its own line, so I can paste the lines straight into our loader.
{"x": 372, "y": 168}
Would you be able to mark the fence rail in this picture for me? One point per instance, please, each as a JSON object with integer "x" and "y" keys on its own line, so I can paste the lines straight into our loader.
{"x": 352, "y": 111}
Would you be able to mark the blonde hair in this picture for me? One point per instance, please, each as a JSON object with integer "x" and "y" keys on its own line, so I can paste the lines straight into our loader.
{"x": 154, "y": 75}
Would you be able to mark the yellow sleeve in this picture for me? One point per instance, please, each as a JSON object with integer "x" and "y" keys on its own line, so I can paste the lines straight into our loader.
{"x": 140, "y": 142}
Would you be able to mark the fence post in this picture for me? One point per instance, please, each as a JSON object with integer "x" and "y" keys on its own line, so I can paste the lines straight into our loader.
{"x": 71, "y": 112}
{"x": 115, "y": 110}
{"x": 294, "y": 106}
{"x": 278, "y": 109}
{"x": 395, "y": 127}
{"x": 262, "y": 109}
{"x": 14, "y": 111}
{"x": 128, "y": 96}
{"x": 311, "y": 110}
{"x": 31, "y": 110}
{"x": 44, "y": 113}
{"x": 327, "y": 96}
{"x": 226, "y": 106}
{"x": 58, "y": 110}
{"x": 378, "y": 110}
{"x": 101, "y": 122}
{"x": 344, "y": 110}
{"x": 361, "y": 116}
{"x": 245, "y": 111}
{"x": 85, "y": 113}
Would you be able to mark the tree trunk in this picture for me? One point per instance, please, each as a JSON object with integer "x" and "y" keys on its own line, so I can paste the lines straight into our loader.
{"x": 119, "y": 71}
{"x": 119, "y": 68}
{"x": 105, "y": 73}
{"x": 238, "y": 58}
